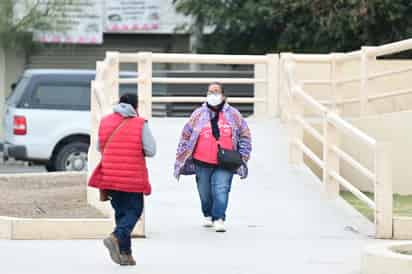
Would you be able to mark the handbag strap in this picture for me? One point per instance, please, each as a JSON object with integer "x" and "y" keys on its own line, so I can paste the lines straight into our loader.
{"x": 114, "y": 132}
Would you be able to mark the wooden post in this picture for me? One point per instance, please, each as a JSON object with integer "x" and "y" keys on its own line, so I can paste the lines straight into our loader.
{"x": 331, "y": 160}
{"x": 336, "y": 95}
{"x": 144, "y": 68}
{"x": 93, "y": 156}
{"x": 364, "y": 82}
{"x": 282, "y": 92}
{"x": 285, "y": 87}
{"x": 295, "y": 131}
{"x": 272, "y": 87}
{"x": 145, "y": 86}
{"x": 383, "y": 191}
{"x": 99, "y": 107}
{"x": 331, "y": 134}
{"x": 111, "y": 81}
{"x": 365, "y": 86}
{"x": 260, "y": 109}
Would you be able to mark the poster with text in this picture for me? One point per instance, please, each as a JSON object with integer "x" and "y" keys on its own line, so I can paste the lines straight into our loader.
{"x": 142, "y": 16}
{"x": 72, "y": 22}
{"x": 133, "y": 15}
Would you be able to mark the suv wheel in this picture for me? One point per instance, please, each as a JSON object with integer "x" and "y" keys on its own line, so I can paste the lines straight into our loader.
{"x": 72, "y": 157}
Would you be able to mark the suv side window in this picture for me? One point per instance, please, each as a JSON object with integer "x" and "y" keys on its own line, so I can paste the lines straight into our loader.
{"x": 68, "y": 96}
{"x": 18, "y": 92}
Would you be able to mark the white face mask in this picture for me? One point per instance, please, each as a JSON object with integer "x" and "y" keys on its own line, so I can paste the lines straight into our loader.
{"x": 214, "y": 99}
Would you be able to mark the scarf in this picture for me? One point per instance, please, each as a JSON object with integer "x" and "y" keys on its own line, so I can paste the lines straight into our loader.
{"x": 214, "y": 121}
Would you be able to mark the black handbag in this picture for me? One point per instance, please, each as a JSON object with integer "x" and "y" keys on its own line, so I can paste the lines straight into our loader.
{"x": 229, "y": 159}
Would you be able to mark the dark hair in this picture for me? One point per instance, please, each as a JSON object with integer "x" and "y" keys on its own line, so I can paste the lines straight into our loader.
{"x": 218, "y": 84}
{"x": 129, "y": 98}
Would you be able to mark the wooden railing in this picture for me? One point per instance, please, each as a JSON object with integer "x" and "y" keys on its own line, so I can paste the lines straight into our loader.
{"x": 264, "y": 81}
{"x": 334, "y": 126}
{"x": 366, "y": 57}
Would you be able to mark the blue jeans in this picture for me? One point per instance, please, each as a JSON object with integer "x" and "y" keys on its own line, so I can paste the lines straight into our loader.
{"x": 128, "y": 208}
{"x": 214, "y": 186}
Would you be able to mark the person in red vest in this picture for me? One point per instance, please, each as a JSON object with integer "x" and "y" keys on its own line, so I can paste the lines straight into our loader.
{"x": 124, "y": 139}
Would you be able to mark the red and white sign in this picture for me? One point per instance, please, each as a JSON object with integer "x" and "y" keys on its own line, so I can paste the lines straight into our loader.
{"x": 132, "y": 15}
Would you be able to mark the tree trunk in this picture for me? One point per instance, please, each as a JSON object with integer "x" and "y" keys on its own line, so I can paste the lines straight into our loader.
{"x": 196, "y": 41}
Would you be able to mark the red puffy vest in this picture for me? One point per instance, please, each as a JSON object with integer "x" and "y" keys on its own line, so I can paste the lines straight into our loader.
{"x": 123, "y": 165}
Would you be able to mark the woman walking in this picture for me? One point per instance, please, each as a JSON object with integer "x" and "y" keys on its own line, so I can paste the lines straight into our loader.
{"x": 124, "y": 140}
{"x": 212, "y": 140}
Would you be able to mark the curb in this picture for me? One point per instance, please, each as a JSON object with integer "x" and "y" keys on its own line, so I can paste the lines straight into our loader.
{"x": 53, "y": 229}
{"x": 382, "y": 259}
{"x": 15, "y": 228}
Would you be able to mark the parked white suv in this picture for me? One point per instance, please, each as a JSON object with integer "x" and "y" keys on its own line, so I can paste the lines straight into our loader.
{"x": 47, "y": 118}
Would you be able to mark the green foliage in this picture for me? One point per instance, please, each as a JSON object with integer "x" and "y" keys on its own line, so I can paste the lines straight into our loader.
{"x": 261, "y": 26}
{"x": 17, "y": 32}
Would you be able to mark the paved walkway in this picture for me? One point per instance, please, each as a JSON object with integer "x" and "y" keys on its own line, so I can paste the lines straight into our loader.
{"x": 278, "y": 222}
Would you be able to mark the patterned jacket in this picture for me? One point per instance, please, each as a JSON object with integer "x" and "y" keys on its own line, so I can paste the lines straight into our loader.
{"x": 200, "y": 117}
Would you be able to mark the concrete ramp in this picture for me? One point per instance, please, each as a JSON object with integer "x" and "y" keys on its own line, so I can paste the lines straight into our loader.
{"x": 278, "y": 222}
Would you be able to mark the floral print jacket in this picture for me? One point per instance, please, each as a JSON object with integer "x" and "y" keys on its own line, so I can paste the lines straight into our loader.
{"x": 201, "y": 117}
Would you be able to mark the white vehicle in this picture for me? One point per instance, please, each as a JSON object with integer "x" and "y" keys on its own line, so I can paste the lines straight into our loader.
{"x": 47, "y": 119}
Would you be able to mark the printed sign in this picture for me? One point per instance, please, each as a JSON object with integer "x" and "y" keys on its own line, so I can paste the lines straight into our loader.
{"x": 132, "y": 15}
{"x": 143, "y": 16}
{"x": 73, "y": 22}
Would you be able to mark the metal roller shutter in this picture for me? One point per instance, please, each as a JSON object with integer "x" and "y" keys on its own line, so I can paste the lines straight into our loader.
{"x": 85, "y": 56}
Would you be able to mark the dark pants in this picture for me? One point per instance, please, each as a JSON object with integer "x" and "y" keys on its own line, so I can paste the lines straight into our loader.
{"x": 214, "y": 185}
{"x": 128, "y": 208}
